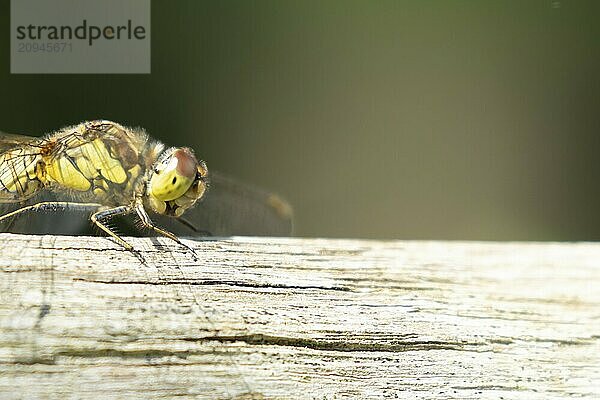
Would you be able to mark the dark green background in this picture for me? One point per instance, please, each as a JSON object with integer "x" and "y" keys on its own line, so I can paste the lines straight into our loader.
{"x": 380, "y": 119}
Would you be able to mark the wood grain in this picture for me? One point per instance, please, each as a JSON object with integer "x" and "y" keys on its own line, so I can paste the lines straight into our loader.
{"x": 81, "y": 318}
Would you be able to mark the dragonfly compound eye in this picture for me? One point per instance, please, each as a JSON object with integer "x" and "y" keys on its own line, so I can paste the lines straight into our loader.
{"x": 174, "y": 177}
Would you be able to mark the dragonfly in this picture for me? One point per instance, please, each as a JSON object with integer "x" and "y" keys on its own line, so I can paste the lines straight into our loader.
{"x": 108, "y": 170}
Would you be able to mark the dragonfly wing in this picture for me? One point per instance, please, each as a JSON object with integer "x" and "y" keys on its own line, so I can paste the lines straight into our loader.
{"x": 9, "y": 140}
{"x": 38, "y": 223}
{"x": 19, "y": 157}
{"x": 229, "y": 208}
{"x": 232, "y": 208}
{"x": 49, "y": 223}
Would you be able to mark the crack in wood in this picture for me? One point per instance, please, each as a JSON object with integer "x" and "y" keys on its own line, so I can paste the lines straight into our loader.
{"x": 342, "y": 346}
{"x": 216, "y": 282}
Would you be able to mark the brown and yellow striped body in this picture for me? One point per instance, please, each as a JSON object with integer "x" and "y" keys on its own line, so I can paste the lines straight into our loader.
{"x": 99, "y": 160}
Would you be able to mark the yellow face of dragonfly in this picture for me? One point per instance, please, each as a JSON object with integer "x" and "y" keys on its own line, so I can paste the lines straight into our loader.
{"x": 176, "y": 182}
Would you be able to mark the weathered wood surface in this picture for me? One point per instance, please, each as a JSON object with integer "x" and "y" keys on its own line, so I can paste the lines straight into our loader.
{"x": 81, "y": 318}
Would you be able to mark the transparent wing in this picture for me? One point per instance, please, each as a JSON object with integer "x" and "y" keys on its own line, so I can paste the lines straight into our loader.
{"x": 9, "y": 140}
{"x": 229, "y": 208}
{"x": 56, "y": 223}
{"x": 232, "y": 208}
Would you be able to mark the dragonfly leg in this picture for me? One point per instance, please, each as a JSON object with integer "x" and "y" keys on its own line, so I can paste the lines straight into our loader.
{"x": 147, "y": 223}
{"x": 187, "y": 223}
{"x": 191, "y": 226}
{"x": 51, "y": 206}
{"x": 98, "y": 219}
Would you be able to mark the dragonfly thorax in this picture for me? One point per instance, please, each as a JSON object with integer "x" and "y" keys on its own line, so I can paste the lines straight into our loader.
{"x": 176, "y": 181}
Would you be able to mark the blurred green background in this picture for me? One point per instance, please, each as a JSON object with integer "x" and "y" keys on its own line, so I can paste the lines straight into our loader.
{"x": 375, "y": 119}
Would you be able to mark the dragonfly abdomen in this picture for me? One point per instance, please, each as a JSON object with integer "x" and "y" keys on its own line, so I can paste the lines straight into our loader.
{"x": 21, "y": 174}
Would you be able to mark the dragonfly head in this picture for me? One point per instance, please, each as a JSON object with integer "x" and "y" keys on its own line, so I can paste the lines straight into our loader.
{"x": 177, "y": 180}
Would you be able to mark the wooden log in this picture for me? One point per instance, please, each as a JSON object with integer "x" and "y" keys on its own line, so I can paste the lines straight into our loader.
{"x": 81, "y": 318}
